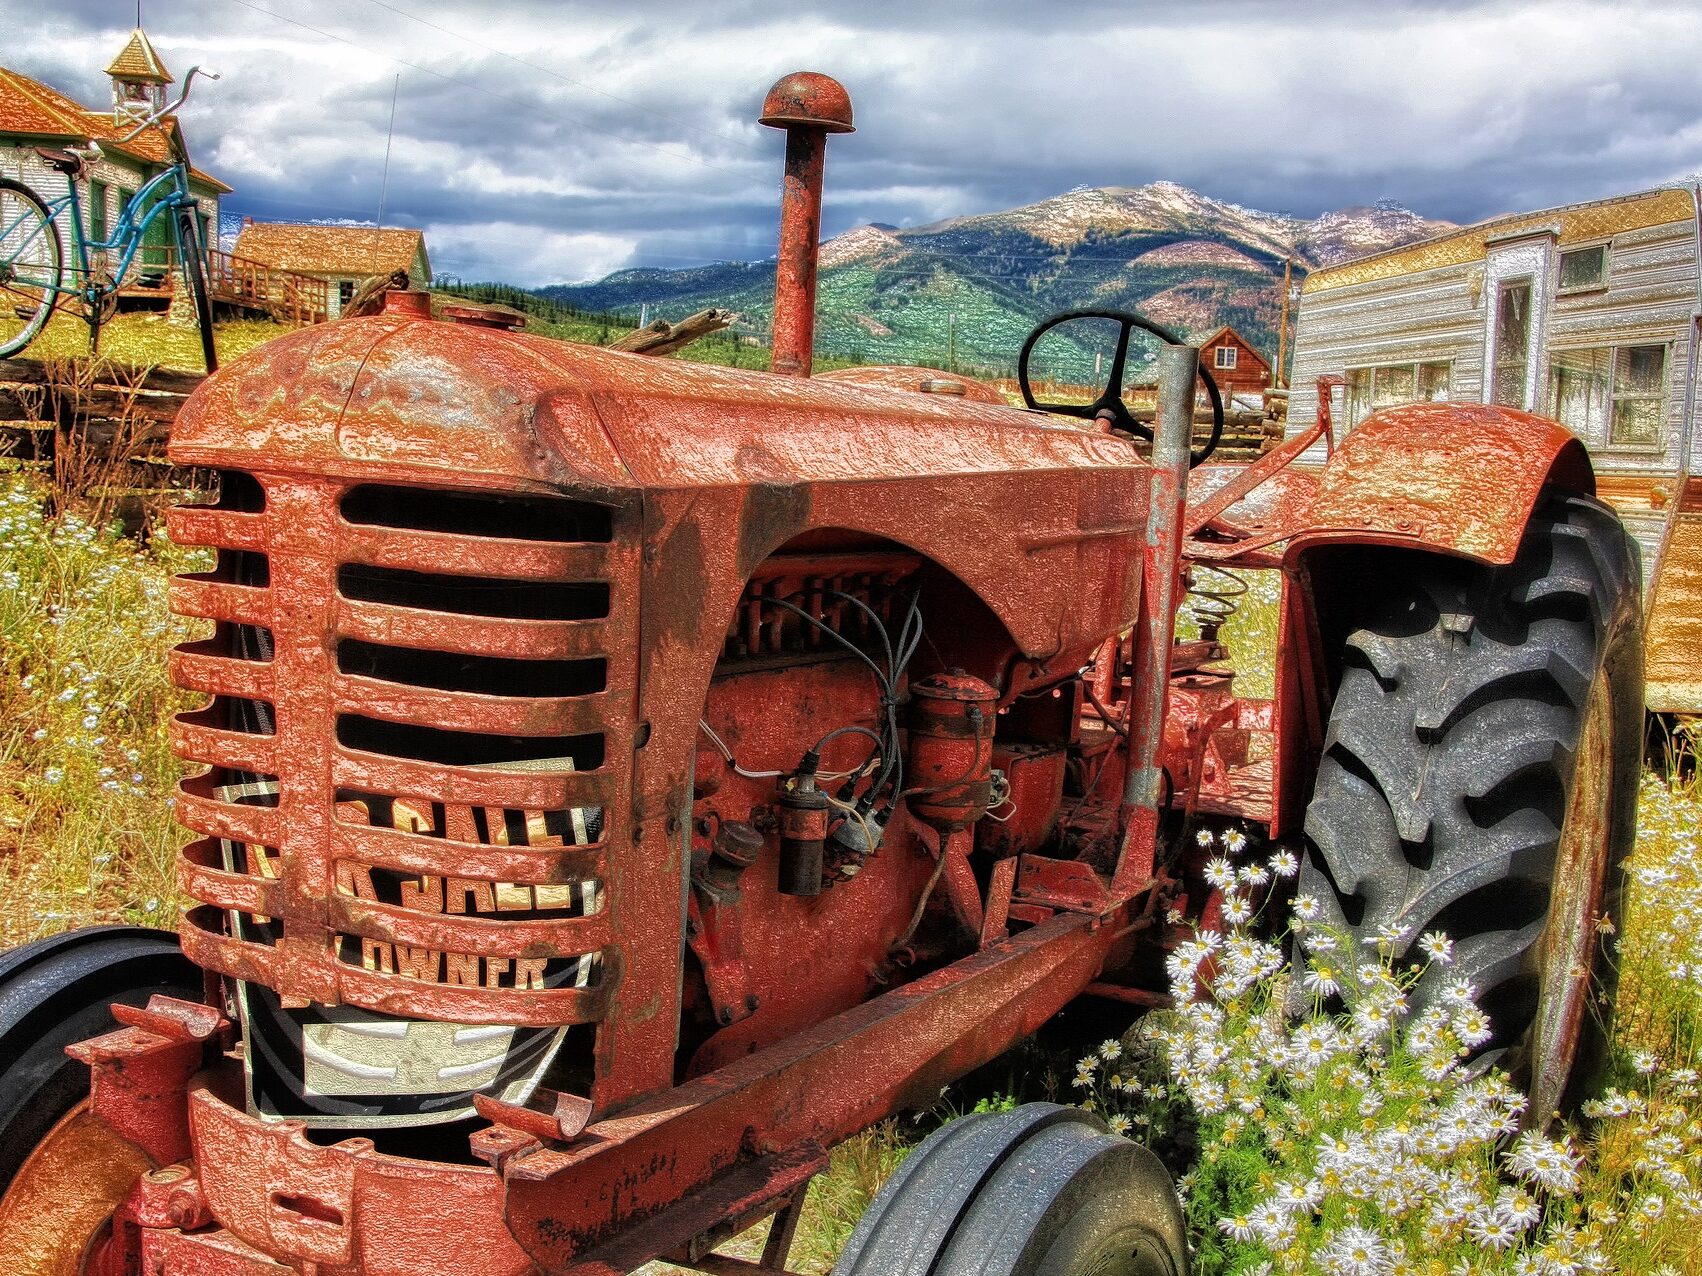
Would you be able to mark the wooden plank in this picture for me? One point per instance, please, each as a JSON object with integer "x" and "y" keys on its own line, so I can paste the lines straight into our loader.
{"x": 1673, "y": 658}
{"x": 45, "y": 372}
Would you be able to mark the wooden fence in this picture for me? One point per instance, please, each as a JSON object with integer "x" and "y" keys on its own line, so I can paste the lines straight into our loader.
{"x": 97, "y": 430}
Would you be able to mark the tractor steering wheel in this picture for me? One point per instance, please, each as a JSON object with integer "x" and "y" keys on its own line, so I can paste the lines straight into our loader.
{"x": 1110, "y": 401}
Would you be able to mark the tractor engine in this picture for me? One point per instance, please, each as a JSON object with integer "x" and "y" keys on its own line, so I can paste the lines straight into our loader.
{"x": 582, "y": 722}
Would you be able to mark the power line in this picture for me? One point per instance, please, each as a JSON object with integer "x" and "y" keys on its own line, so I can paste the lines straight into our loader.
{"x": 565, "y": 79}
{"x": 466, "y": 84}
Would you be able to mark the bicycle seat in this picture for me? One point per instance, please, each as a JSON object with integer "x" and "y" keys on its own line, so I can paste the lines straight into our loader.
{"x": 67, "y": 162}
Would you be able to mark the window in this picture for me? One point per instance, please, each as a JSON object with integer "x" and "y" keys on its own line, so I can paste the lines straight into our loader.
{"x": 1224, "y": 357}
{"x": 1369, "y": 389}
{"x": 1610, "y": 394}
{"x": 1639, "y": 374}
{"x": 1583, "y": 269}
{"x": 1435, "y": 381}
{"x": 97, "y": 209}
{"x": 1512, "y": 343}
{"x": 345, "y": 293}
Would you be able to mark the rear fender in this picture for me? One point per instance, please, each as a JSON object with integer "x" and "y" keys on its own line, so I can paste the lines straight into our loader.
{"x": 1456, "y": 478}
{"x": 1445, "y": 478}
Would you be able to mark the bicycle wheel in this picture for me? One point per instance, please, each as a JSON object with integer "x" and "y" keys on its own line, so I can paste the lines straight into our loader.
{"x": 30, "y": 266}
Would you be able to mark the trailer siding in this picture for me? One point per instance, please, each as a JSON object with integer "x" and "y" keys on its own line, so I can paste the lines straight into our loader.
{"x": 1437, "y": 301}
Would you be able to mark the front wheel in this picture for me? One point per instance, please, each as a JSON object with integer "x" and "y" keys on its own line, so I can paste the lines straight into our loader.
{"x": 1479, "y": 778}
{"x": 31, "y": 270}
{"x": 1042, "y": 1190}
{"x": 62, "y": 1170}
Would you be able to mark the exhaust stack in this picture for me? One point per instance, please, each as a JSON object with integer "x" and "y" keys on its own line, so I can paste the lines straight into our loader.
{"x": 809, "y": 106}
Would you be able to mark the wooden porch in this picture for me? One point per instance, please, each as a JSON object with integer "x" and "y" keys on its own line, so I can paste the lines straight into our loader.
{"x": 283, "y": 295}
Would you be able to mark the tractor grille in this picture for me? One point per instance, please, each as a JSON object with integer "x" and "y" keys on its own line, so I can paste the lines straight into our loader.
{"x": 408, "y": 804}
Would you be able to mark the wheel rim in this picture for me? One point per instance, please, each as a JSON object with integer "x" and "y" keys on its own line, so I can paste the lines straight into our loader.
{"x": 1566, "y": 950}
{"x": 58, "y": 1205}
{"x": 29, "y": 268}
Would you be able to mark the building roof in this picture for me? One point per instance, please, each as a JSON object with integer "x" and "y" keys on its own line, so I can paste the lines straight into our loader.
{"x": 1569, "y": 223}
{"x": 31, "y": 109}
{"x": 138, "y": 61}
{"x": 1248, "y": 346}
{"x": 331, "y": 250}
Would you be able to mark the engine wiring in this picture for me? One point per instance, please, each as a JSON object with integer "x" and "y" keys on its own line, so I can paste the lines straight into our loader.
{"x": 889, "y": 780}
{"x": 864, "y": 796}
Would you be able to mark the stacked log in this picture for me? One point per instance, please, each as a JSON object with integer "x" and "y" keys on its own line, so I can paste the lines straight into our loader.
{"x": 98, "y": 430}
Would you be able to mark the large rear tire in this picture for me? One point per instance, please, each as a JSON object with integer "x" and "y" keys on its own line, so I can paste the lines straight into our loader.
{"x": 61, "y": 1170}
{"x": 1479, "y": 778}
{"x": 1039, "y": 1191}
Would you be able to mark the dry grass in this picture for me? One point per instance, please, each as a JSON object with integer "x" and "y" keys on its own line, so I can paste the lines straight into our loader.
{"x": 86, "y": 832}
{"x": 145, "y": 338}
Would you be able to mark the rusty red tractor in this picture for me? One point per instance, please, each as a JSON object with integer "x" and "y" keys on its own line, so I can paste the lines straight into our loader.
{"x": 623, "y": 779}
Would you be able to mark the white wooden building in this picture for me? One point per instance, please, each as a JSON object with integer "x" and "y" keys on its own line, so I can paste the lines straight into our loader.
{"x": 33, "y": 114}
{"x": 1586, "y": 314}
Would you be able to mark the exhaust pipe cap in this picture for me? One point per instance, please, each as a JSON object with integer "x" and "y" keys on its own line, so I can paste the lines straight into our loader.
{"x": 808, "y": 99}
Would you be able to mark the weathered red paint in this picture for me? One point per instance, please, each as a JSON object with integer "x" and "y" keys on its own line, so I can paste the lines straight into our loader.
{"x": 808, "y": 106}
{"x": 140, "y": 1073}
{"x": 921, "y": 380}
{"x": 1461, "y": 478}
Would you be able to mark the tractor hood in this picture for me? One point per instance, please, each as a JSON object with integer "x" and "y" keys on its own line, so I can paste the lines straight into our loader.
{"x": 451, "y": 404}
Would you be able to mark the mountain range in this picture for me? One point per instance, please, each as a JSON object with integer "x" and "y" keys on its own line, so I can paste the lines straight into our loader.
{"x": 965, "y": 291}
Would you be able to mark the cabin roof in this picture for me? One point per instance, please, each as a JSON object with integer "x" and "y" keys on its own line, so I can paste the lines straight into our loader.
{"x": 330, "y": 250}
{"x": 32, "y": 109}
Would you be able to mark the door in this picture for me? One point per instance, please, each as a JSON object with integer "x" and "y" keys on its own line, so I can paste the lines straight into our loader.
{"x": 1515, "y": 317}
{"x": 156, "y": 256}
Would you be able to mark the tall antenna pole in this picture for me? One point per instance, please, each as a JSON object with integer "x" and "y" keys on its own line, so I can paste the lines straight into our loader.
{"x": 384, "y": 182}
{"x": 1282, "y": 325}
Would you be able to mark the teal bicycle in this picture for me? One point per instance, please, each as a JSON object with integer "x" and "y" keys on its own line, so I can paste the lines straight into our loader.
{"x": 36, "y": 279}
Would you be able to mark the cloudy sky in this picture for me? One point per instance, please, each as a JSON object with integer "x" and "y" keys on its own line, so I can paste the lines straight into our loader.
{"x": 556, "y": 141}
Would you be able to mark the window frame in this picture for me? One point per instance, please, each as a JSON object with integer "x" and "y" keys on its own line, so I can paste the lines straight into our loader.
{"x": 1218, "y": 363}
{"x": 1370, "y": 370}
{"x": 1663, "y": 397}
{"x": 1500, "y": 361}
{"x": 1561, "y": 290}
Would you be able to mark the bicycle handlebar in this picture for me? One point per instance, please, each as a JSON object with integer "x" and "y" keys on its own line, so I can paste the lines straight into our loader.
{"x": 170, "y": 109}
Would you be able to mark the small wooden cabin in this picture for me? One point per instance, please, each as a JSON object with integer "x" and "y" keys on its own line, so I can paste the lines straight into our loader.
{"x": 343, "y": 256}
{"x": 1240, "y": 371}
{"x": 1586, "y": 314}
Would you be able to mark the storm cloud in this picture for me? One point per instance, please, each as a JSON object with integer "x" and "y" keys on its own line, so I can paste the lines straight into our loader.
{"x": 554, "y": 142}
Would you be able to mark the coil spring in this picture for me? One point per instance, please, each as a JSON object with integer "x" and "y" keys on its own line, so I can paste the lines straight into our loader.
{"x": 1213, "y": 600}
